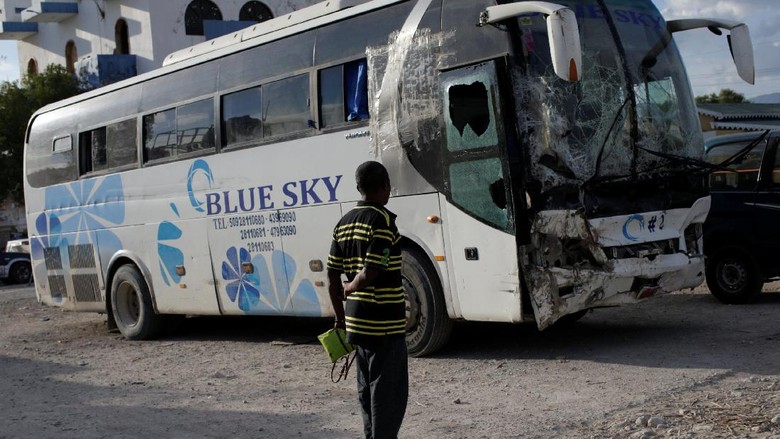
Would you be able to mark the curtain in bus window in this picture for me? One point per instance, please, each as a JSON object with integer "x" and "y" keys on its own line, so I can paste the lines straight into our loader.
{"x": 286, "y": 106}
{"x": 242, "y": 116}
{"x": 356, "y": 76}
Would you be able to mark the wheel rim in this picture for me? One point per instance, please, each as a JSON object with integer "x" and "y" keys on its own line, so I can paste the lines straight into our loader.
{"x": 413, "y": 306}
{"x": 732, "y": 275}
{"x": 128, "y": 304}
{"x": 23, "y": 273}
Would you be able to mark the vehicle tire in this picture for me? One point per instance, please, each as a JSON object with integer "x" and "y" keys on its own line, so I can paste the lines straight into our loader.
{"x": 20, "y": 273}
{"x": 428, "y": 326}
{"x": 131, "y": 305}
{"x": 733, "y": 276}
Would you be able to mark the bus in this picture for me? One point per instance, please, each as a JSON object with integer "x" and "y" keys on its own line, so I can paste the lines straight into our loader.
{"x": 540, "y": 156}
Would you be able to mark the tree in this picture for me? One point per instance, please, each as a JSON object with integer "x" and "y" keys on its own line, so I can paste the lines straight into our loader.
{"x": 18, "y": 101}
{"x": 725, "y": 96}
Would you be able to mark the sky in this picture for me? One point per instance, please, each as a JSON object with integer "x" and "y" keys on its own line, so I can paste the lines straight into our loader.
{"x": 706, "y": 55}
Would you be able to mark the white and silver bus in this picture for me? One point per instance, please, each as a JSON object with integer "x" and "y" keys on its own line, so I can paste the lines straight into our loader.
{"x": 539, "y": 154}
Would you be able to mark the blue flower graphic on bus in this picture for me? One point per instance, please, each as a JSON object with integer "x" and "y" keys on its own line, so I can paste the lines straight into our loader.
{"x": 89, "y": 205}
{"x": 199, "y": 171}
{"x": 241, "y": 287}
{"x": 170, "y": 256}
{"x": 49, "y": 228}
{"x": 261, "y": 292}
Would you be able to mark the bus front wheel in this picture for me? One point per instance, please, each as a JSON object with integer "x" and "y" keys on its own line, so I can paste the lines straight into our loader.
{"x": 131, "y": 305}
{"x": 428, "y": 326}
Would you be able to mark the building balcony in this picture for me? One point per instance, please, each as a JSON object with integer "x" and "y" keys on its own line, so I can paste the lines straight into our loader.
{"x": 17, "y": 30}
{"x": 50, "y": 11}
{"x": 99, "y": 70}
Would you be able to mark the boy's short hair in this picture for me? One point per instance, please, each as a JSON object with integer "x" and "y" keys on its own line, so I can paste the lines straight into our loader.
{"x": 371, "y": 177}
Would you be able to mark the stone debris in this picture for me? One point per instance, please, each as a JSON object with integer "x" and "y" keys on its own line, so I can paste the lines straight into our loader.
{"x": 746, "y": 409}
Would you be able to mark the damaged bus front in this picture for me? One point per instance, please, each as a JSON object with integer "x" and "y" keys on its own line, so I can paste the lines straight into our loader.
{"x": 612, "y": 206}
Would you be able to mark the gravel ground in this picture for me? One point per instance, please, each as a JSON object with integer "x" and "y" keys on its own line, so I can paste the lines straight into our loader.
{"x": 678, "y": 366}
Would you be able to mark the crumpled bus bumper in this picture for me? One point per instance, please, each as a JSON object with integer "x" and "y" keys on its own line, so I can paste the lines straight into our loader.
{"x": 576, "y": 263}
{"x": 628, "y": 281}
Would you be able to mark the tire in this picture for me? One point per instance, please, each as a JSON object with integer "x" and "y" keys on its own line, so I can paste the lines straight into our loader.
{"x": 20, "y": 273}
{"x": 733, "y": 276}
{"x": 131, "y": 305}
{"x": 428, "y": 326}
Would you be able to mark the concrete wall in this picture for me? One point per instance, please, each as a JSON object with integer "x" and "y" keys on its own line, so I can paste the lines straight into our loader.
{"x": 8, "y": 12}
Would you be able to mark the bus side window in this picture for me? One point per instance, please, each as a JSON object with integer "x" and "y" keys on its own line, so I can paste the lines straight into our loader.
{"x": 286, "y": 106}
{"x": 241, "y": 117}
{"x": 195, "y": 126}
{"x": 187, "y": 128}
{"x": 62, "y": 144}
{"x": 159, "y": 135}
{"x": 121, "y": 138}
{"x": 343, "y": 93}
{"x": 92, "y": 151}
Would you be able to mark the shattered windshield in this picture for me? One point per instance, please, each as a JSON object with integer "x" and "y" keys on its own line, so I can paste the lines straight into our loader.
{"x": 634, "y": 97}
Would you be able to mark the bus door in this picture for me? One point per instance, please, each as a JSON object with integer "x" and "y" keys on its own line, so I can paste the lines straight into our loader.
{"x": 482, "y": 247}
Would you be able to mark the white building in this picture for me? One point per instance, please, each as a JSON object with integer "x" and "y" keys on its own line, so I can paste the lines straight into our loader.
{"x": 114, "y": 39}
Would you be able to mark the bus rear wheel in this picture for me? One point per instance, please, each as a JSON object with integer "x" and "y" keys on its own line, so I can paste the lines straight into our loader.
{"x": 131, "y": 305}
{"x": 428, "y": 326}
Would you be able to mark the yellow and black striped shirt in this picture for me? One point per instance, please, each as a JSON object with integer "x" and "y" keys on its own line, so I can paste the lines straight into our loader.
{"x": 368, "y": 237}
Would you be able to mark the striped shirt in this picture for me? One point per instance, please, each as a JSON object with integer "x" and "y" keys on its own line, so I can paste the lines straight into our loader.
{"x": 367, "y": 237}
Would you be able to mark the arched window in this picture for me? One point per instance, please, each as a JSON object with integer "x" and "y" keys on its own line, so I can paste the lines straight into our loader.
{"x": 197, "y": 11}
{"x": 122, "y": 38}
{"x": 255, "y": 11}
{"x": 70, "y": 57}
{"x": 32, "y": 67}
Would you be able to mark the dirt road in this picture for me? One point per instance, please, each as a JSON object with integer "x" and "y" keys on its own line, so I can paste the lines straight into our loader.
{"x": 679, "y": 366}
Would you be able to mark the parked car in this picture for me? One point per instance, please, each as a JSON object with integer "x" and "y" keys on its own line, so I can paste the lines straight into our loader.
{"x": 15, "y": 267}
{"x": 741, "y": 236}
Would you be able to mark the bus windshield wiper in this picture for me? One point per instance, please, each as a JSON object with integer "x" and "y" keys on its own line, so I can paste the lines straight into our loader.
{"x": 606, "y": 139}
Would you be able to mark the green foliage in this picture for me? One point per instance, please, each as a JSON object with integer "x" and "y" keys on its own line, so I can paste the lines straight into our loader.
{"x": 725, "y": 96}
{"x": 18, "y": 101}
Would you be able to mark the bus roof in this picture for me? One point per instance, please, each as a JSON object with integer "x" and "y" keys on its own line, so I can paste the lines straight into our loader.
{"x": 267, "y": 27}
{"x": 296, "y": 22}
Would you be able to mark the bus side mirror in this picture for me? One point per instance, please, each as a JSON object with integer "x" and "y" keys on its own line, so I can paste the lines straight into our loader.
{"x": 741, "y": 47}
{"x": 562, "y": 32}
{"x": 740, "y": 43}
